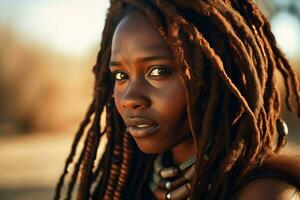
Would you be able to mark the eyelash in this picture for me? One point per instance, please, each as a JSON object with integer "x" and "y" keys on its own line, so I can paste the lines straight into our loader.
{"x": 166, "y": 72}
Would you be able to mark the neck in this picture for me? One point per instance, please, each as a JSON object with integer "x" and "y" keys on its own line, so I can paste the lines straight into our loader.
{"x": 183, "y": 151}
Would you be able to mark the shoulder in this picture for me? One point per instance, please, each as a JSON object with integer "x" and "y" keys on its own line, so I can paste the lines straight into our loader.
{"x": 277, "y": 178}
{"x": 286, "y": 166}
{"x": 269, "y": 188}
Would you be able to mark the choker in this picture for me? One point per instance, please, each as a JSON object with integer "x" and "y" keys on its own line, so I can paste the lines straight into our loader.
{"x": 172, "y": 182}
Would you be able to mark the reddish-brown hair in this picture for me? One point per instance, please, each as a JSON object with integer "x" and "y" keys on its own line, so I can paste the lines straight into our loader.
{"x": 233, "y": 100}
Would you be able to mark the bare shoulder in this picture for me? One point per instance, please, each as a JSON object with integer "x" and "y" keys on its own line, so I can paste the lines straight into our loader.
{"x": 269, "y": 188}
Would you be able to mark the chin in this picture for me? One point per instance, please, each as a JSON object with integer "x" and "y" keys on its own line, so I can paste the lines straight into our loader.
{"x": 150, "y": 148}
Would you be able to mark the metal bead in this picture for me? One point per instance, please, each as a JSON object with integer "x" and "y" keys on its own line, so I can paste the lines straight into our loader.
{"x": 181, "y": 192}
{"x": 168, "y": 172}
{"x": 171, "y": 185}
{"x": 282, "y": 128}
{"x": 168, "y": 196}
{"x": 168, "y": 185}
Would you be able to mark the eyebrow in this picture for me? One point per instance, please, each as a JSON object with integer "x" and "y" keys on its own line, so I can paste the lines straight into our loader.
{"x": 141, "y": 60}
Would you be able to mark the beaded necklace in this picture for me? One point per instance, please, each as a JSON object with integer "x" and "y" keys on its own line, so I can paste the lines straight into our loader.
{"x": 173, "y": 182}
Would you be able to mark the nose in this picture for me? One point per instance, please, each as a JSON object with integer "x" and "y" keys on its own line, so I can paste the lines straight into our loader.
{"x": 136, "y": 96}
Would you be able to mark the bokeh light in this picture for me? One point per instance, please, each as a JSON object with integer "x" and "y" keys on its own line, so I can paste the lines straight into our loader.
{"x": 286, "y": 28}
{"x": 70, "y": 27}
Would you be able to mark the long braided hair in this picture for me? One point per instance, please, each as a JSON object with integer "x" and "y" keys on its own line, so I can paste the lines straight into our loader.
{"x": 233, "y": 102}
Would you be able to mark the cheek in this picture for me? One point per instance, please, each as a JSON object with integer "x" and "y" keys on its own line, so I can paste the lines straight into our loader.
{"x": 118, "y": 104}
{"x": 171, "y": 102}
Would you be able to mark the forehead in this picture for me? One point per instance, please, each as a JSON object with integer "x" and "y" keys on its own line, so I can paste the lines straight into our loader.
{"x": 135, "y": 33}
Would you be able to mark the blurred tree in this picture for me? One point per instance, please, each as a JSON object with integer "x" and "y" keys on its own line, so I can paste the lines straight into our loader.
{"x": 40, "y": 89}
{"x": 272, "y": 7}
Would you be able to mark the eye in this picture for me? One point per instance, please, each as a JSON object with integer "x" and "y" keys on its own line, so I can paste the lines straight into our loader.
{"x": 159, "y": 72}
{"x": 119, "y": 75}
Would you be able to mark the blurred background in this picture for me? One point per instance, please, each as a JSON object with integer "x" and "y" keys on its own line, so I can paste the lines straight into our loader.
{"x": 47, "y": 50}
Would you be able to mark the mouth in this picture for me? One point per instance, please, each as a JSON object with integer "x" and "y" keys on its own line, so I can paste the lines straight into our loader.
{"x": 141, "y": 127}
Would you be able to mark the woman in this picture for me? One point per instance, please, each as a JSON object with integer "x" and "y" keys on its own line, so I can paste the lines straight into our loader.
{"x": 192, "y": 109}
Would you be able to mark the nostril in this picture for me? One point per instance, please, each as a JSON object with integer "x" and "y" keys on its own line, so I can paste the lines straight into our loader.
{"x": 135, "y": 102}
{"x": 139, "y": 106}
{"x": 135, "y": 105}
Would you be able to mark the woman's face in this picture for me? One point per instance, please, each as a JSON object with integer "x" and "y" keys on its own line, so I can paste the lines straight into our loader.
{"x": 148, "y": 92}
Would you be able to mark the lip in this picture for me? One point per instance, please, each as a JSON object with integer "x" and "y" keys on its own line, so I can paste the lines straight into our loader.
{"x": 140, "y": 132}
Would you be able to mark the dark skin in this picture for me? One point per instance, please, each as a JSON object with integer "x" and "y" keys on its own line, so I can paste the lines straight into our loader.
{"x": 149, "y": 93}
{"x": 148, "y": 86}
{"x": 269, "y": 189}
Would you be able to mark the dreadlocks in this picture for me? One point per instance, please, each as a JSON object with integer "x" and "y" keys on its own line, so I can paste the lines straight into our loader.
{"x": 233, "y": 56}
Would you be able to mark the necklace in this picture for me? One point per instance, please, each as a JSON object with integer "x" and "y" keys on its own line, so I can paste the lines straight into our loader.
{"x": 173, "y": 182}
